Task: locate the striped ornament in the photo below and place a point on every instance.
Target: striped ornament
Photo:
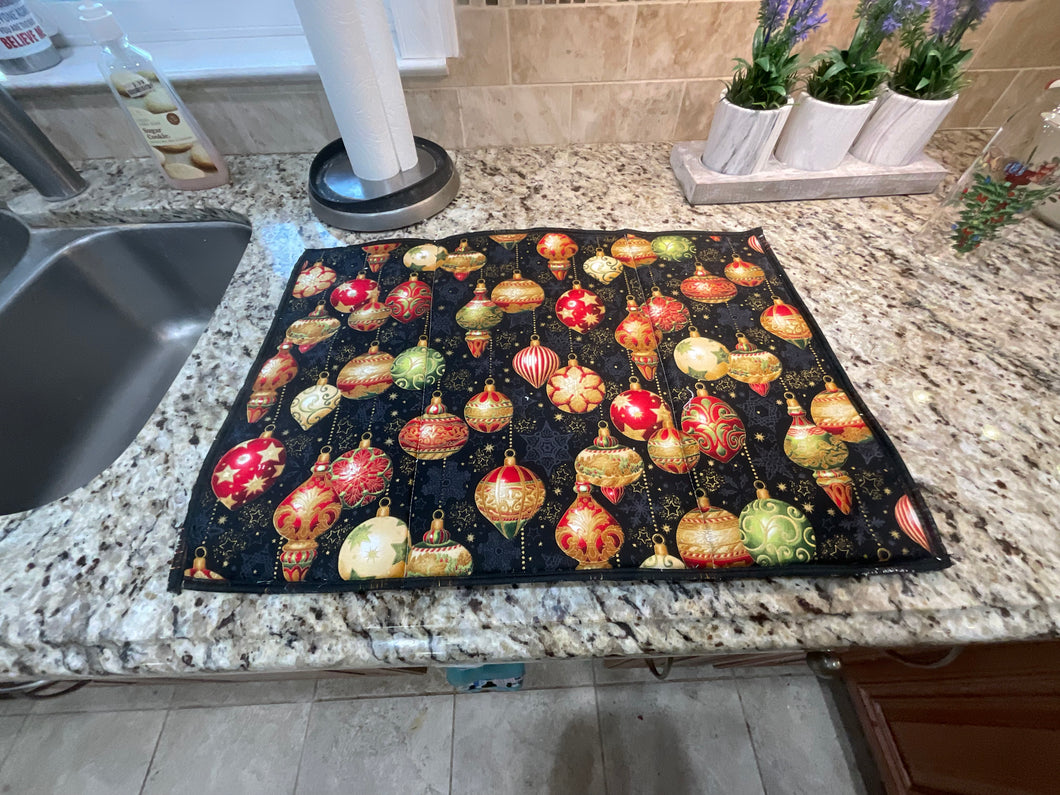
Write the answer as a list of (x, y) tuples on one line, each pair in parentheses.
[(536, 363), (908, 520)]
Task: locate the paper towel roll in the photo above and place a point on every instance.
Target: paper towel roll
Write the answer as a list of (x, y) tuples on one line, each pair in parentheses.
[(361, 82)]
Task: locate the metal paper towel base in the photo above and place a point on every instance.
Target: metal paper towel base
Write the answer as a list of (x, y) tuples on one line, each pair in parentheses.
[(341, 198)]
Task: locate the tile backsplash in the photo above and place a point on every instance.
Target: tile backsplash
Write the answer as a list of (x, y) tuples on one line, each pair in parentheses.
[(566, 72)]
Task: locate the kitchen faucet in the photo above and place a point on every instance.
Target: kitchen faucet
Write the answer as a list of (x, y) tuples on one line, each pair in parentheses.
[(28, 150)]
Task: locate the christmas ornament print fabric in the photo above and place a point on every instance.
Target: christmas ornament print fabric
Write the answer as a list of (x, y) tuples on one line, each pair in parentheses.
[(546, 404)]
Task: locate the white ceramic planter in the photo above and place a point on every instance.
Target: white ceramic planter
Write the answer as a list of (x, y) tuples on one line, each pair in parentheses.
[(818, 134), (741, 140), (899, 128)]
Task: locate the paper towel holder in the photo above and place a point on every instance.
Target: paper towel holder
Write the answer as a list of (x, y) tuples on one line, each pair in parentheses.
[(340, 198)]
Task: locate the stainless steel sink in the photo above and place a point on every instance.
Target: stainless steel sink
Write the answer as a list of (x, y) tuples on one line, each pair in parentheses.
[(95, 323)]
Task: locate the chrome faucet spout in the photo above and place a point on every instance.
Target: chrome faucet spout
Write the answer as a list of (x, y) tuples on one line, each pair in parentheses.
[(28, 150)]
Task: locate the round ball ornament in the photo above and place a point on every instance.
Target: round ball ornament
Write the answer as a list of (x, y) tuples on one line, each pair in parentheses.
[(786, 322), (775, 532), (909, 521), (633, 251), (376, 548), (666, 314), (536, 363), (574, 388), (378, 254), (558, 249), (509, 239), (366, 375), (434, 434), (743, 273), (313, 280), (587, 532), (832, 410), (752, 366), (714, 424), (463, 261), (438, 555), (354, 294), (302, 516), (275, 373), (418, 367), (362, 475), (673, 248), (701, 357), (708, 537), (661, 559), (509, 496), (368, 317), (609, 464), (637, 334), (409, 300), (578, 309), (638, 413), (518, 294), (424, 258), (602, 267), (489, 411), (314, 403), (199, 570), (706, 288), (673, 450), (312, 329), (248, 470)]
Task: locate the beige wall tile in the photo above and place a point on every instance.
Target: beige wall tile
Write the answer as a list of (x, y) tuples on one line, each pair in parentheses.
[(978, 98), (484, 56), (1026, 87), (84, 124), (435, 114), (604, 112), (1026, 34), (697, 109), (504, 115), (694, 40), (570, 44)]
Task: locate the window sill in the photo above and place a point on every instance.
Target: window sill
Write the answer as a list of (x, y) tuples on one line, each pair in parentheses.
[(205, 60)]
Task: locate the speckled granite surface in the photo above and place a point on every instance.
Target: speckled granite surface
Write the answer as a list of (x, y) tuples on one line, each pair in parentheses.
[(956, 359)]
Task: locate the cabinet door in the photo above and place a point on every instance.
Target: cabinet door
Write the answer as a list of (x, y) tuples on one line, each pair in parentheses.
[(986, 722)]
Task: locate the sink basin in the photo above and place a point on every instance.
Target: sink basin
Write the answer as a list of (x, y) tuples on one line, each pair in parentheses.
[(96, 323)]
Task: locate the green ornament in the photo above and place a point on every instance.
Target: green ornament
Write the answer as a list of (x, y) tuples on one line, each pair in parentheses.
[(775, 532), (376, 548), (425, 258), (673, 248), (480, 313), (418, 367)]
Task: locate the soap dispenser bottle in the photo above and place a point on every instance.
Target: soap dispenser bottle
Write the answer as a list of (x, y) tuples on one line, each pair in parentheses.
[(187, 158)]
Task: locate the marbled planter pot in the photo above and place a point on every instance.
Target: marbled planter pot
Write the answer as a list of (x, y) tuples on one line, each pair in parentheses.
[(899, 128), (740, 140), (818, 134)]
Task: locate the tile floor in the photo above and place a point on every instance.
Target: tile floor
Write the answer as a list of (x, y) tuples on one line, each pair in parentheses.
[(576, 727)]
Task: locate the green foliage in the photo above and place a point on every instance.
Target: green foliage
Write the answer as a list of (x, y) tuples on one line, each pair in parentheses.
[(987, 206), (766, 82), (933, 69), (845, 79)]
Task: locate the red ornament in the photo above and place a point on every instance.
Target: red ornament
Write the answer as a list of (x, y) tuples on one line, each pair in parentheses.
[(756, 244), (786, 322), (579, 309), (708, 288), (536, 363), (673, 450), (557, 248), (362, 475), (587, 532), (666, 314), (247, 471), (714, 424), (743, 273), (409, 300), (368, 317), (434, 434), (378, 254), (633, 251), (306, 513), (909, 521), (313, 279), (277, 372), (636, 333), (354, 294), (489, 411), (752, 366), (509, 496), (638, 413), (574, 388)]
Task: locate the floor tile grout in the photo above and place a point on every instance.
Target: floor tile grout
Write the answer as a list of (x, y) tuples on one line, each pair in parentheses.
[(751, 739), (154, 751), (18, 732), (301, 754), (600, 731), (452, 745)]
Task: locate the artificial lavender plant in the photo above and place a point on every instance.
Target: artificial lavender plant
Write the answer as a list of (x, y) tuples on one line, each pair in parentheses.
[(851, 76), (765, 82), (933, 68)]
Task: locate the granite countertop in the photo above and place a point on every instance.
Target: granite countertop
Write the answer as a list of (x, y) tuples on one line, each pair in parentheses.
[(955, 358)]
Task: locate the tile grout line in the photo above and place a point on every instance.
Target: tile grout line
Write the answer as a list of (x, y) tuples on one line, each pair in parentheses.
[(599, 728), (154, 752), (305, 736), (18, 731), (452, 745), (750, 738)]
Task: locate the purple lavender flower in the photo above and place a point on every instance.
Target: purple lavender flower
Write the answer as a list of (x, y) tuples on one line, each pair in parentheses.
[(943, 16), (805, 16), (900, 12), (771, 16), (953, 17)]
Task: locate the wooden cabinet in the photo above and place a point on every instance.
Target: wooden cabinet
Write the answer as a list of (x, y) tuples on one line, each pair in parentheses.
[(983, 719)]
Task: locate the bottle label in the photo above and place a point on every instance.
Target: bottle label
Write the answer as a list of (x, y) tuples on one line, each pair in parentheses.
[(163, 129), (20, 34)]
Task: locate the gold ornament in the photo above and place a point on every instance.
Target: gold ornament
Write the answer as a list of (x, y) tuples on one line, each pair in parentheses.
[(673, 450), (662, 559), (489, 411), (786, 322), (305, 514), (463, 260), (701, 357), (314, 328), (313, 404), (509, 496), (198, 570), (574, 388), (633, 251), (609, 464), (587, 532), (438, 555), (709, 537), (376, 548), (517, 294), (743, 273), (752, 366), (366, 375), (833, 411), (434, 434), (602, 267)]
